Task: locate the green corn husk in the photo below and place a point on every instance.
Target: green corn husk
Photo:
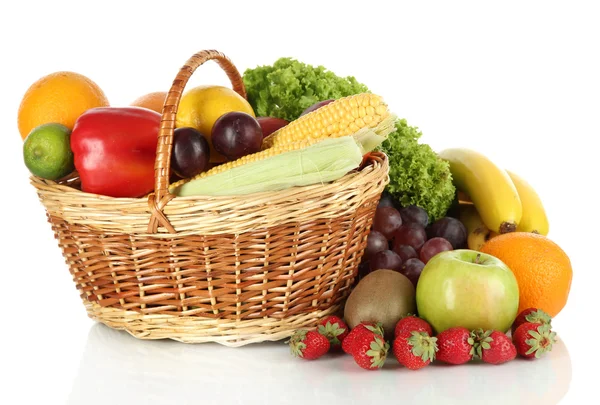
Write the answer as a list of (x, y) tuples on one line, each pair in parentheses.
[(322, 162)]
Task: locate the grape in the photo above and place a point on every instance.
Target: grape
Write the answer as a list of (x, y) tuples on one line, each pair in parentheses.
[(270, 124), (386, 200), (413, 235), (432, 247), (412, 269), (385, 260), (450, 229), (376, 242), (316, 106), (190, 153), (415, 215), (236, 134), (387, 220), (405, 252)]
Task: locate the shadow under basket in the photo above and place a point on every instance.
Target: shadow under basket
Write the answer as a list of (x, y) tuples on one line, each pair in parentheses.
[(233, 270)]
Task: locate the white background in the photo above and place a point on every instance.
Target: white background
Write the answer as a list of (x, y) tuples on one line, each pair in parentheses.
[(518, 81)]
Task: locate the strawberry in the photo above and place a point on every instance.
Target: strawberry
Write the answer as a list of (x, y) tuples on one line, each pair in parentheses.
[(412, 323), (415, 350), (494, 347), (348, 342), (533, 340), (532, 315), (370, 350), (308, 345), (455, 346), (334, 329)]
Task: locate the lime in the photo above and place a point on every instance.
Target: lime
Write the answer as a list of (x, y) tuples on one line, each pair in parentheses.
[(47, 151)]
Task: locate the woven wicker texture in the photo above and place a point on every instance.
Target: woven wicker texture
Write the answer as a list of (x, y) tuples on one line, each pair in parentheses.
[(193, 329), (232, 270)]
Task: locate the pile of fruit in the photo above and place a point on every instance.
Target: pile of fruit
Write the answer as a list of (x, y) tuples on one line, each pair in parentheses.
[(220, 146), (458, 241), (482, 282)]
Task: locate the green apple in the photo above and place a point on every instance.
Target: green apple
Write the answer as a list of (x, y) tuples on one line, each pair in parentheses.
[(469, 289)]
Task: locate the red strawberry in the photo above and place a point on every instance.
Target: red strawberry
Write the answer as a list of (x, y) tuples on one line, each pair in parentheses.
[(308, 345), (370, 350), (533, 340), (411, 323), (348, 342), (334, 329), (455, 346), (532, 315), (494, 347), (415, 350)]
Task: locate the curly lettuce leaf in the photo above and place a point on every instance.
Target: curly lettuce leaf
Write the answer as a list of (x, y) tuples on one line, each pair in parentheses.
[(288, 87), (417, 175)]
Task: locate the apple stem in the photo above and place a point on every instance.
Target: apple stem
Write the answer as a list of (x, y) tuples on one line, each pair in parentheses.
[(477, 258)]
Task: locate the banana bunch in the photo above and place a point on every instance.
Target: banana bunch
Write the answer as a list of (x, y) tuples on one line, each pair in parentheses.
[(492, 200)]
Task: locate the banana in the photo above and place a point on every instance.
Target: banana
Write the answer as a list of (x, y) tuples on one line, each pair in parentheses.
[(477, 232), (489, 187), (468, 215), (534, 217)]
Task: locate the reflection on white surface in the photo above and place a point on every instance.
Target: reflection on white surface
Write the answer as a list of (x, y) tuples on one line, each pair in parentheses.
[(117, 368)]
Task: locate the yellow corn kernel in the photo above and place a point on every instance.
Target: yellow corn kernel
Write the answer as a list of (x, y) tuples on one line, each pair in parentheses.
[(338, 118)]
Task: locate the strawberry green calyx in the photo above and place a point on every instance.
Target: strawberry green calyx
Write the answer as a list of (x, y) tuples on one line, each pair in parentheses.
[(331, 332), (297, 344), (480, 340), (377, 328), (541, 340), (378, 352), (423, 345), (539, 316), (471, 342)]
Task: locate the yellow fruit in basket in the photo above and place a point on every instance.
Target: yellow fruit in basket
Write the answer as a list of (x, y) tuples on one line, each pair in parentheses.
[(59, 98), (201, 106), (152, 101)]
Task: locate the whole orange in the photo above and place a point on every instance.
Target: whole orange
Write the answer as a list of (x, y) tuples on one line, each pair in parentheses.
[(59, 98), (153, 101), (542, 269)]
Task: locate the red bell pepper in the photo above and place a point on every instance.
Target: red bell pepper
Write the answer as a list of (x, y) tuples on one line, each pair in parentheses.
[(115, 149)]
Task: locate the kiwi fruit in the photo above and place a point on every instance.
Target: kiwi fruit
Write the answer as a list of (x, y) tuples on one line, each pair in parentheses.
[(382, 296)]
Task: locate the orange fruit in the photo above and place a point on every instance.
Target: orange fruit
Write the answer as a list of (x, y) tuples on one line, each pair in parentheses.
[(542, 269), (152, 101), (58, 98)]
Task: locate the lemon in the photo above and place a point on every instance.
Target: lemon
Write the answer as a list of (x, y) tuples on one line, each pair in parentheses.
[(47, 151), (201, 106)]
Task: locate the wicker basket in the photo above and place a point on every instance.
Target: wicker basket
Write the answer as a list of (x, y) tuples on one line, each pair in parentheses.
[(232, 270)]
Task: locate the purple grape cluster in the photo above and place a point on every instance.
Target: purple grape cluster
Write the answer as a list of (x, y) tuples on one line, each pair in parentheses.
[(402, 239)]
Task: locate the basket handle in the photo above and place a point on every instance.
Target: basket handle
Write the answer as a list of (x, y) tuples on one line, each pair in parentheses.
[(161, 196)]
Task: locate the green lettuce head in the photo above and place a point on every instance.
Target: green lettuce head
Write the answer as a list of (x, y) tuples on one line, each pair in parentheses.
[(417, 175), (288, 87)]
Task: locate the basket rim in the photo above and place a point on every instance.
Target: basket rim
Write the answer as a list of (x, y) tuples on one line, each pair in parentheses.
[(210, 215), (375, 158)]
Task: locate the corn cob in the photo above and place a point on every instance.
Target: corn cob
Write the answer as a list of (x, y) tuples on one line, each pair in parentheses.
[(308, 161), (342, 117), (254, 157)]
